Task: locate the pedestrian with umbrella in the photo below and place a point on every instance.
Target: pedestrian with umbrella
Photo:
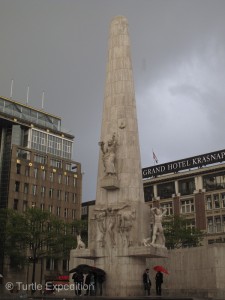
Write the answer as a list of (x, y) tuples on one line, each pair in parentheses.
[(159, 278)]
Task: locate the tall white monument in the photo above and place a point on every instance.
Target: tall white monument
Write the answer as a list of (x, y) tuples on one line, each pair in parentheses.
[(120, 220)]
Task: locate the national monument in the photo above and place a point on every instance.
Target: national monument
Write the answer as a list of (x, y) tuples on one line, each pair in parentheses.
[(119, 223)]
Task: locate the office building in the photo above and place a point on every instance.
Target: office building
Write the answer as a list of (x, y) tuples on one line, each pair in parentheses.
[(36, 166)]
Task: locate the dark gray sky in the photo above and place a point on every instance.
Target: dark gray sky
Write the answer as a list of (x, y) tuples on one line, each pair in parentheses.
[(178, 54)]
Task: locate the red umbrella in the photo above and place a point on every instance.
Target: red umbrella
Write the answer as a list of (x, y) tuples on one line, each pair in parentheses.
[(161, 269)]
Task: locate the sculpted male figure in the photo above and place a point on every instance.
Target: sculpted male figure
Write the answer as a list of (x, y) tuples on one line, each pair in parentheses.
[(158, 235)]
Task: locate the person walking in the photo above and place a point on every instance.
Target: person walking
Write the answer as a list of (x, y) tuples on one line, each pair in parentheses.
[(158, 282), (147, 282)]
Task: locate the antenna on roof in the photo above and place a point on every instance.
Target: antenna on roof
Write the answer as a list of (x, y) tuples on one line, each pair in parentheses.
[(11, 89), (28, 90), (43, 99)]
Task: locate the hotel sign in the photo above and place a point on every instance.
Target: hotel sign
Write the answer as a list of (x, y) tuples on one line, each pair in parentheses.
[(183, 164)]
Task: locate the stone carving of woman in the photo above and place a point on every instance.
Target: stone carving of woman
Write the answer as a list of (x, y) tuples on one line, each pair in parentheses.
[(109, 155)]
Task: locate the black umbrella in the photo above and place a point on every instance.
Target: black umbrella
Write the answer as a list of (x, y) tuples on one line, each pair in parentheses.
[(86, 269)]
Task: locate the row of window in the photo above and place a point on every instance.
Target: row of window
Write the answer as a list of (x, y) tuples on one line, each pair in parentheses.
[(57, 210), (216, 224), (43, 174), (48, 143), (186, 206), (215, 201), (185, 186), (42, 191)]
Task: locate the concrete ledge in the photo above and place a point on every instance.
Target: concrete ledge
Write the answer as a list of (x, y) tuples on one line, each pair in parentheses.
[(148, 251), (110, 183)]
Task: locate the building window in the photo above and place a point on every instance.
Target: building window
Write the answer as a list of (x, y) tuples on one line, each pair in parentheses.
[(58, 211), (74, 181), (187, 206), (66, 213), (56, 163), (59, 194), (66, 196), (68, 167), (50, 264), (15, 204), (24, 205), (18, 168), (33, 204), (214, 182), (59, 178), (216, 201), (166, 190), (67, 180), (35, 173), (187, 186), (43, 174), (50, 208), (210, 225), (50, 193), (43, 191), (51, 176), (169, 208), (218, 224), (148, 193), (223, 200), (34, 190), (26, 188), (40, 159), (17, 186), (42, 206), (208, 202), (27, 171)]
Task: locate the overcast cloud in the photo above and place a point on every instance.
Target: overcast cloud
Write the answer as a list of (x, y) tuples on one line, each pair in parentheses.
[(178, 55)]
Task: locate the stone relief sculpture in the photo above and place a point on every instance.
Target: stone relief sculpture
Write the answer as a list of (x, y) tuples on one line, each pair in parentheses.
[(109, 155), (125, 224), (101, 221), (109, 214), (80, 243), (158, 238)]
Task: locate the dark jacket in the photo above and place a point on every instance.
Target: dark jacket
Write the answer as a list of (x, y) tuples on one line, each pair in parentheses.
[(159, 277)]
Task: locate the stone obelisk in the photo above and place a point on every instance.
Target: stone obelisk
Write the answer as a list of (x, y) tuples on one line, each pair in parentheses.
[(119, 221)]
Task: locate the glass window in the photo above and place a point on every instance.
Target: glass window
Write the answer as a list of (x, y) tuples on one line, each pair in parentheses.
[(218, 226), (40, 159), (24, 205), (59, 178), (187, 206), (216, 201), (43, 174), (66, 213), (43, 191), (34, 190), (58, 211), (17, 186), (59, 194), (18, 168), (148, 193), (35, 173), (223, 199), (27, 171), (187, 186), (50, 193), (74, 198), (66, 196), (50, 208), (166, 190), (26, 188), (56, 163), (210, 225), (51, 176), (214, 182), (15, 204), (208, 202), (42, 206), (169, 208)]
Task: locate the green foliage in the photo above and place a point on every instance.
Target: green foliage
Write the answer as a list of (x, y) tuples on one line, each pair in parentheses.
[(37, 234), (178, 234)]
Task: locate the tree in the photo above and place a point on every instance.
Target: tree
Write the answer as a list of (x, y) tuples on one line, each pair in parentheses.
[(178, 234), (35, 235)]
